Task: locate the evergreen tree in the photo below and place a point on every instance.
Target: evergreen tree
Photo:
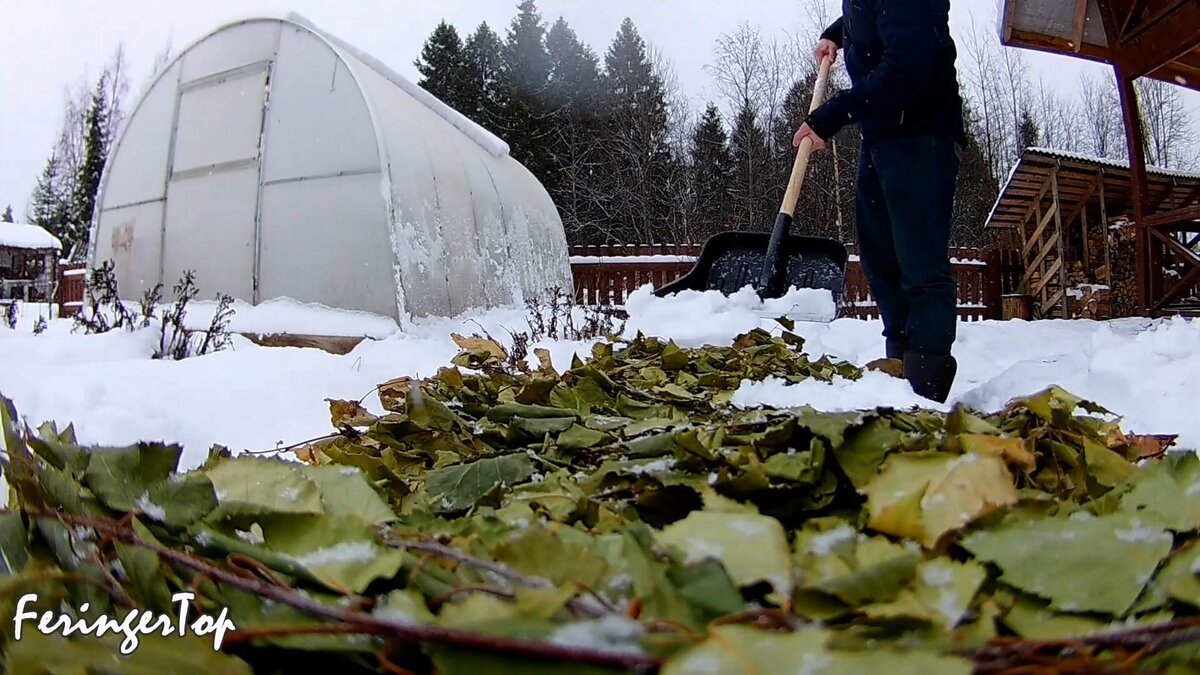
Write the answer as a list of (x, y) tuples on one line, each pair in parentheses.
[(87, 183), (442, 67), (50, 207), (752, 173), (8, 215), (483, 78), (526, 123), (639, 163), (572, 93), (976, 190), (712, 172), (1028, 135), (574, 72)]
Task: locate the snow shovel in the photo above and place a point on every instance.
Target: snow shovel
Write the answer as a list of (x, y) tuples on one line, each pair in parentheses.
[(772, 263)]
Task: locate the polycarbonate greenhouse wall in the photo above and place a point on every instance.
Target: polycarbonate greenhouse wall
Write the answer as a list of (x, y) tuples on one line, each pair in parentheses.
[(277, 161)]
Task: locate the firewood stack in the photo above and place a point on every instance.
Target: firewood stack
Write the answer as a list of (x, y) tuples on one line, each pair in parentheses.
[(1090, 301), (1122, 241)]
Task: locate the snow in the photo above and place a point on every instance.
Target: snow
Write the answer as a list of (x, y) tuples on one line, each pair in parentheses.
[(258, 398), (285, 315), (824, 543), (622, 259), (1115, 163), (149, 508), (612, 633), (20, 235), (345, 552)]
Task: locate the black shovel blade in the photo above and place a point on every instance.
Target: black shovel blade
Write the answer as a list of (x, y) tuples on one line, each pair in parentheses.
[(730, 261)]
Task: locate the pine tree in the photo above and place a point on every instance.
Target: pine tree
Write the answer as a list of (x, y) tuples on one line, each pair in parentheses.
[(442, 67), (1028, 135), (8, 215), (639, 161), (574, 72), (752, 173), (572, 94), (483, 78), (87, 183), (712, 172), (976, 190), (526, 121), (50, 207)]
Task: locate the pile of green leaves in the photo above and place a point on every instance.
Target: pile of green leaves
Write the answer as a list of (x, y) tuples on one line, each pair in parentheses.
[(622, 516)]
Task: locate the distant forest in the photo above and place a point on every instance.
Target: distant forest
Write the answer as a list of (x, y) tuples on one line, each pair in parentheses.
[(628, 158)]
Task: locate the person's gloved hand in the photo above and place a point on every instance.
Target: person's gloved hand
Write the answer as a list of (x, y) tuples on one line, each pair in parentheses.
[(826, 48)]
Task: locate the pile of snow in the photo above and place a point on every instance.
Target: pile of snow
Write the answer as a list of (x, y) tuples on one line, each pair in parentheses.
[(257, 398), (20, 235), (285, 315)]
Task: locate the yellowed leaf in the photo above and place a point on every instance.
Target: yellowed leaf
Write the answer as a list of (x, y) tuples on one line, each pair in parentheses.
[(393, 393), (477, 345), (1012, 450), (349, 413), (973, 486), (545, 365)]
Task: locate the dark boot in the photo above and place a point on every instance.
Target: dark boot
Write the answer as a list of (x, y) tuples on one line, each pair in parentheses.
[(895, 348), (931, 375)]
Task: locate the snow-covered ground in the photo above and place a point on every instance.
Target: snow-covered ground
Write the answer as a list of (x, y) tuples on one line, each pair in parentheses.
[(254, 398)]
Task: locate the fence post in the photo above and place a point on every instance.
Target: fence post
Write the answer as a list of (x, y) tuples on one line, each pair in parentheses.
[(993, 284)]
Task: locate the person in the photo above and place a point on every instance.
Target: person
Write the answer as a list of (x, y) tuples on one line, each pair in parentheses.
[(904, 97)]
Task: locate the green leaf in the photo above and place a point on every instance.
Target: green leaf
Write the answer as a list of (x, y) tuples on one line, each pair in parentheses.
[(741, 650), (253, 486), (864, 450), (1179, 579), (708, 587), (543, 552), (1105, 466), (752, 547), (465, 662), (145, 573), (1079, 564), (38, 654), (1167, 492), (581, 438), (457, 488), (1031, 618), (14, 544), (507, 412), (119, 477), (341, 552), (346, 492)]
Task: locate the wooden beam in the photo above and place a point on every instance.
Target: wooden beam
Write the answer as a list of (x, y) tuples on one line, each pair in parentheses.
[(1081, 7), (1058, 295), (1087, 243), (1048, 276), (1036, 237), (1158, 42), (1062, 242), (1183, 284), (1055, 45), (1041, 256), (1010, 11), (1166, 193), (1183, 215)]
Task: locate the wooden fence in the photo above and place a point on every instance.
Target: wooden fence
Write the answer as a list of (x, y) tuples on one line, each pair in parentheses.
[(72, 282), (606, 275)]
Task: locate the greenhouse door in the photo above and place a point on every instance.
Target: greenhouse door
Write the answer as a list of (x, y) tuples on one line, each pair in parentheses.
[(213, 188)]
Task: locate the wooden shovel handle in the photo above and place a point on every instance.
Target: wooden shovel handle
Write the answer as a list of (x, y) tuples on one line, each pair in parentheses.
[(800, 167)]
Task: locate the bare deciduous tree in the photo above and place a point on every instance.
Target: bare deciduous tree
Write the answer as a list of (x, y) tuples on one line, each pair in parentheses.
[(1168, 127)]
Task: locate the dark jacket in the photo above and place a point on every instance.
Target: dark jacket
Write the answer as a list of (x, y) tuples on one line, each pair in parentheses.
[(900, 58)]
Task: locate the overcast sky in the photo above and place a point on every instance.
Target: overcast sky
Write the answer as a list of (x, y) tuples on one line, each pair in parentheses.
[(49, 44)]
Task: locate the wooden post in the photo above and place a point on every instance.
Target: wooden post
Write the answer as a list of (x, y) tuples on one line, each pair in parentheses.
[(1148, 277), (1104, 226), (1062, 244)]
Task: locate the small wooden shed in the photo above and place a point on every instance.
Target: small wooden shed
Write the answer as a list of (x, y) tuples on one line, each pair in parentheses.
[(28, 263), (1157, 39), (1069, 212)]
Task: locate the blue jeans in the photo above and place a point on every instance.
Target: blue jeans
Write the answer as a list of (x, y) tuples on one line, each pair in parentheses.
[(905, 212)]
